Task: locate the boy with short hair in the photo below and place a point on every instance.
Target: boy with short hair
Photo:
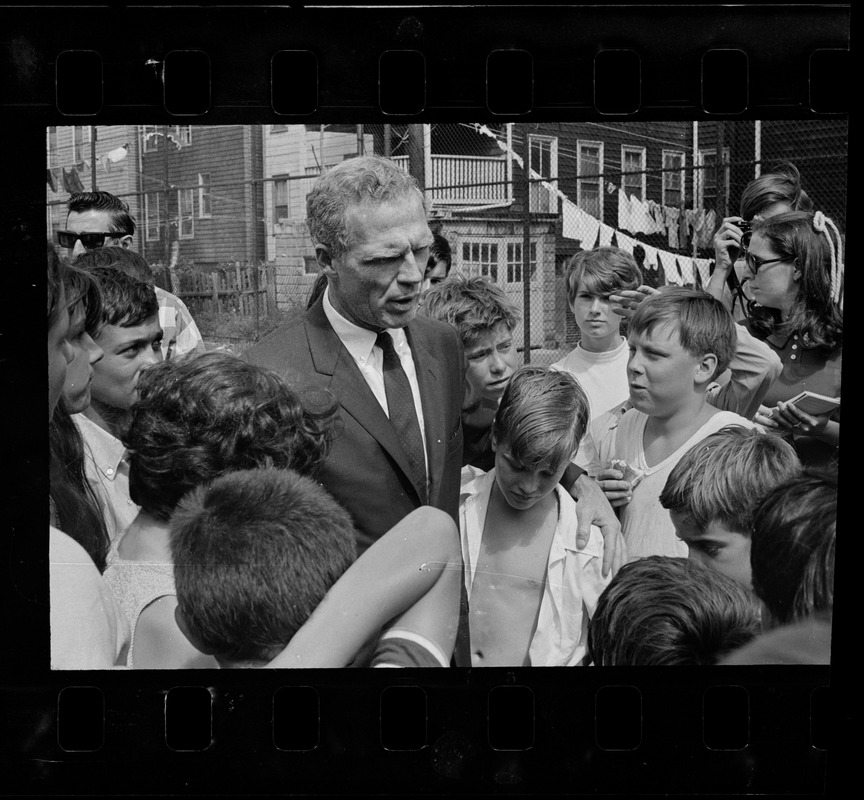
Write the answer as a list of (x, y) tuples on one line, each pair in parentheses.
[(531, 591), (180, 334), (599, 360), (662, 611), (259, 555), (716, 487), (680, 340), (130, 337), (485, 318)]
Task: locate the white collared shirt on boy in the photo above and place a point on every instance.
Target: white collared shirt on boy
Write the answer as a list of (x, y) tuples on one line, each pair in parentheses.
[(107, 472), (574, 579)]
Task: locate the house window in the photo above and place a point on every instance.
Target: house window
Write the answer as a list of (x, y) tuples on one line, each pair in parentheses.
[(51, 143), (633, 171), (152, 217), (278, 128), (280, 199), (543, 159), (79, 141), (589, 186), (673, 178), (186, 213), (151, 138), (183, 134), (480, 258), (712, 183), (514, 261), (204, 207)]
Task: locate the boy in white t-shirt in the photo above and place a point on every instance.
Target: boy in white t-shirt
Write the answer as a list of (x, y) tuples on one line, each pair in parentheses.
[(599, 360), (679, 341)]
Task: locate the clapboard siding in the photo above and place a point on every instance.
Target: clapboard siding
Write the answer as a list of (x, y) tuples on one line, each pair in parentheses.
[(298, 152), (228, 154)]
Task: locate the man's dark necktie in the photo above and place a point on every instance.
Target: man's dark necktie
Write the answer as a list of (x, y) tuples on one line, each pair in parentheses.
[(403, 415)]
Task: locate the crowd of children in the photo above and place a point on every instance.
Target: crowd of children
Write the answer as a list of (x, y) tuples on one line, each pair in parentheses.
[(188, 529)]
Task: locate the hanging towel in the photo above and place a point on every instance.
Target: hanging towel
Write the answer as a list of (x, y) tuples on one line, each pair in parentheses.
[(49, 176), (71, 181)]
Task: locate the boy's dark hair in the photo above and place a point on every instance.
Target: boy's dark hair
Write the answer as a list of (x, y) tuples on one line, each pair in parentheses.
[(254, 553), (603, 270), (792, 551), (126, 302), (660, 611), (542, 416), (197, 418), (122, 258), (440, 251), (704, 324), (472, 305), (781, 185), (121, 219), (724, 477)]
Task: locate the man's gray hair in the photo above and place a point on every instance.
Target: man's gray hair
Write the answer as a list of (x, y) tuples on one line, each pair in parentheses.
[(366, 177)]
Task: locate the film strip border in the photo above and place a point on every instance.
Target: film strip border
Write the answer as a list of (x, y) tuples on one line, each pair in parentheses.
[(416, 732), (284, 64)]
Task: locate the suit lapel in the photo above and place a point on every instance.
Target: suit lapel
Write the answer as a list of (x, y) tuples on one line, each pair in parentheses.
[(428, 371), (330, 358)]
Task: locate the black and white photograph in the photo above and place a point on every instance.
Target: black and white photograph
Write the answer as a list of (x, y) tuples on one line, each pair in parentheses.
[(401, 359)]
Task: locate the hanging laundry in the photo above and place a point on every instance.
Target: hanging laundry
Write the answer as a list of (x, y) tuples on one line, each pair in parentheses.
[(626, 242), (638, 215), (670, 266), (623, 211), (606, 235), (672, 216), (703, 271), (118, 153), (650, 256), (49, 176), (71, 181)]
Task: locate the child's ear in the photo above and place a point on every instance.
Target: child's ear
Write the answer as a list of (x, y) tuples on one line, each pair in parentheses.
[(706, 368), (193, 639), (493, 440)]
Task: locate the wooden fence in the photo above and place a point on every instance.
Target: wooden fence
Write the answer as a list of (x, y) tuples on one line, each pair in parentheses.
[(229, 289)]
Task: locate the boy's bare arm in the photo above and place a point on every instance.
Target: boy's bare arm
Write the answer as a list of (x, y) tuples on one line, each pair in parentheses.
[(401, 569)]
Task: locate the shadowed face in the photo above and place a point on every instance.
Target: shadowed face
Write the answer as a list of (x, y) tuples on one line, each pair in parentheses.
[(716, 547)]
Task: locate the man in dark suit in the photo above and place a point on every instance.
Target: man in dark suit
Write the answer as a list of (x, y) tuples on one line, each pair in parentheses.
[(367, 218)]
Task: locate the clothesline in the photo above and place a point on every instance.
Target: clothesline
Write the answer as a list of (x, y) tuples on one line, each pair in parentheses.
[(578, 224)]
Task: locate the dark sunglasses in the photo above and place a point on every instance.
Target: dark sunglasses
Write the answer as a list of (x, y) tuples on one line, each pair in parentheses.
[(754, 263), (90, 240)]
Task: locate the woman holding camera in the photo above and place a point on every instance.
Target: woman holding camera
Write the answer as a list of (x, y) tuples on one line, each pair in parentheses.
[(795, 283), (770, 194)]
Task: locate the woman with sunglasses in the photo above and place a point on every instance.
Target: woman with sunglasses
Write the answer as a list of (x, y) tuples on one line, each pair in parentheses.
[(795, 268), (770, 194)]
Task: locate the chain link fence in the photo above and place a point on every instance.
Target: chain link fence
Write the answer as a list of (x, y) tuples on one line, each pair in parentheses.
[(222, 198)]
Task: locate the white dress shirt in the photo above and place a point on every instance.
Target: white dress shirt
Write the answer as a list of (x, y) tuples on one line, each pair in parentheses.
[(360, 343)]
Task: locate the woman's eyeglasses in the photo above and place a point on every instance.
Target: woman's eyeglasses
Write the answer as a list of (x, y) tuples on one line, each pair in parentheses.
[(90, 240), (754, 263)]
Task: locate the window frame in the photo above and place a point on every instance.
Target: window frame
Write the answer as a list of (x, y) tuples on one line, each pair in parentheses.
[(600, 179), (278, 181), (642, 152), (148, 214), (669, 172), (204, 194), (536, 190), (190, 217)]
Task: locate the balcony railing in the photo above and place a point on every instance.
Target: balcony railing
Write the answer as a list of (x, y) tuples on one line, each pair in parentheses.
[(466, 180)]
